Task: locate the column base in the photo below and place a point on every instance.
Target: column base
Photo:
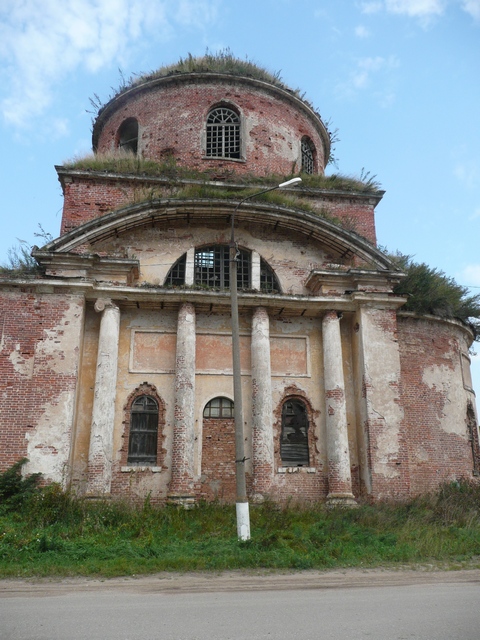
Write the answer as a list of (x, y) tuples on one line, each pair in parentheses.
[(343, 500), (185, 501)]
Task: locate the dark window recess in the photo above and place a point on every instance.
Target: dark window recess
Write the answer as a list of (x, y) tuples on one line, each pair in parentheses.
[(308, 160), (223, 134), (128, 135), (142, 445), (268, 279), (294, 438), (212, 268), (176, 275), (218, 408)]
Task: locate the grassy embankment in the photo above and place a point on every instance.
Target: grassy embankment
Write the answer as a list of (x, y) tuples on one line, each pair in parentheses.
[(45, 532)]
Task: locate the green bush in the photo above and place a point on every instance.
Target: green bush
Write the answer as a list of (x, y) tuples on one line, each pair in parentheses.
[(15, 489)]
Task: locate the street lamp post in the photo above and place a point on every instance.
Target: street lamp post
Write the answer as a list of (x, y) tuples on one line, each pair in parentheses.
[(243, 516)]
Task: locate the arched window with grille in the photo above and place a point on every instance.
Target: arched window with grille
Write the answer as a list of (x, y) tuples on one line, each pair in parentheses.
[(142, 444), (294, 436), (219, 408), (223, 133), (127, 137), (212, 267), (176, 275), (308, 156)]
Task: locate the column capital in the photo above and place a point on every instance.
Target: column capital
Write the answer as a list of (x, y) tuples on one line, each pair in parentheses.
[(104, 303)]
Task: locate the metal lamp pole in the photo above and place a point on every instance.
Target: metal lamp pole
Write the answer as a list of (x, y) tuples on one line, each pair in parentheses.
[(243, 516)]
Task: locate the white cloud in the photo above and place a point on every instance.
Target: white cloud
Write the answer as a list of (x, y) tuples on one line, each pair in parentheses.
[(424, 10), (416, 8), (362, 32), (41, 42), (468, 173), (472, 7), (373, 74)]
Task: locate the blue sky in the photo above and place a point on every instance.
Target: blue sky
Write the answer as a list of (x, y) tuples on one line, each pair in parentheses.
[(399, 79)]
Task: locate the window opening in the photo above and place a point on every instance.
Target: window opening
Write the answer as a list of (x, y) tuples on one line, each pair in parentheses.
[(218, 408), (308, 164), (212, 267), (128, 135), (294, 437), (223, 133), (268, 279), (142, 445), (176, 275)]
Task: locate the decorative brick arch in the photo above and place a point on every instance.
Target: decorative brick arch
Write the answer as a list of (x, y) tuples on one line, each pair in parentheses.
[(294, 393), (145, 389)]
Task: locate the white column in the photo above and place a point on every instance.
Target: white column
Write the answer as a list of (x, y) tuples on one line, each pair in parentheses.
[(339, 475), (255, 271), (182, 483), (103, 414), (190, 267), (263, 450)]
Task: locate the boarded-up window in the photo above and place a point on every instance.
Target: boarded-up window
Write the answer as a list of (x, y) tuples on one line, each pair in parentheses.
[(142, 445), (294, 437)]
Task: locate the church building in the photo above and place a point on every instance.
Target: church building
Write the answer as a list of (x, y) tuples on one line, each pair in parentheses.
[(116, 357)]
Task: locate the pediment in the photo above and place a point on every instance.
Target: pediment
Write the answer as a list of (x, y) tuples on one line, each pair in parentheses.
[(342, 245)]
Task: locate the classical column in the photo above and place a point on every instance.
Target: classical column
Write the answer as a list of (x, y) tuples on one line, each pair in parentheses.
[(182, 483), (100, 453), (339, 476), (263, 457)]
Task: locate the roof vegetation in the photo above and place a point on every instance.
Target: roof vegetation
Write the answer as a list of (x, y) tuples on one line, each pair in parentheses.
[(430, 291), (223, 61), (128, 163)]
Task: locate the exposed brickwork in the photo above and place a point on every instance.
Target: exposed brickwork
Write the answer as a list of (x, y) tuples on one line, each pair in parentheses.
[(218, 460), (38, 368), (172, 116), (437, 443)]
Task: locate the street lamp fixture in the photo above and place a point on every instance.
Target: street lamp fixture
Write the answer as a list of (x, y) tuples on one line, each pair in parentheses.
[(243, 516)]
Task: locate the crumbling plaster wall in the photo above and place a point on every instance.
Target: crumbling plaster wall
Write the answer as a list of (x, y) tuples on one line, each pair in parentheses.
[(40, 346), (291, 256), (172, 120), (435, 398)]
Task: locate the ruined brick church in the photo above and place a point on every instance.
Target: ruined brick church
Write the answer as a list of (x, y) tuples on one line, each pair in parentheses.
[(116, 359)]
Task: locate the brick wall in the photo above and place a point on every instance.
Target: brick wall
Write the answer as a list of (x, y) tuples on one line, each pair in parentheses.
[(435, 402), (38, 376)]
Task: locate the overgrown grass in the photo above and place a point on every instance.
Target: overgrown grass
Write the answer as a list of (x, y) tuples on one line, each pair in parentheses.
[(429, 290), (57, 534), (130, 164)]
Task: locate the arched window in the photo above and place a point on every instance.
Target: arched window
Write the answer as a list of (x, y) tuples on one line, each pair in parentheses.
[(218, 408), (223, 133), (128, 135), (142, 444), (268, 279), (212, 267), (212, 270), (176, 275), (294, 437), (308, 156)]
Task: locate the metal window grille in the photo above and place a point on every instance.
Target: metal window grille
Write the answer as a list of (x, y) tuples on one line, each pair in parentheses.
[(176, 275), (294, 438), (142, 445), (223, 134), (128, 135), (308, 165), (212, 268), (218, 408), (268, 279)]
